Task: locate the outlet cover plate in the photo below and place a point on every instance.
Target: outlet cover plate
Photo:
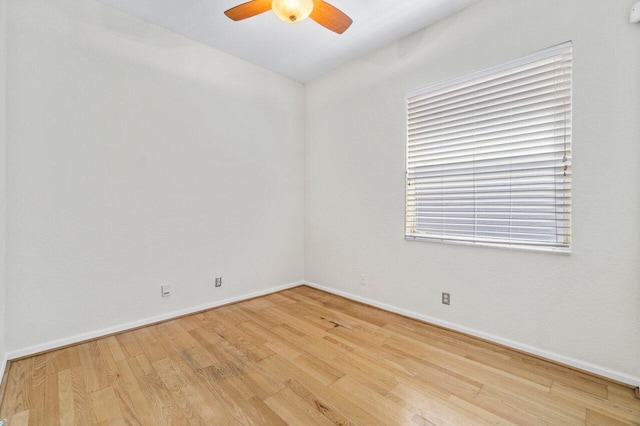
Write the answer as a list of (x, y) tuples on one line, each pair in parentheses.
[(166, 290)]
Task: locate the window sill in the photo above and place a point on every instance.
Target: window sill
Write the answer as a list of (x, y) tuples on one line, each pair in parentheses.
[(531, 248)]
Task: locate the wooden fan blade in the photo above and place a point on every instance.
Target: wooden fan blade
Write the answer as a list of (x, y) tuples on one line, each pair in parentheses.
[(248, 9), (330, 17)]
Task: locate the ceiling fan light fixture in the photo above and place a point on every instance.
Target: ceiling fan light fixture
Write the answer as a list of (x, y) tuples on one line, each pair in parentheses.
[(292, 11)]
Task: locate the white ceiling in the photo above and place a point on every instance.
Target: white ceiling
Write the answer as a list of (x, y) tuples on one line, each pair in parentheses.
[(302, 51)]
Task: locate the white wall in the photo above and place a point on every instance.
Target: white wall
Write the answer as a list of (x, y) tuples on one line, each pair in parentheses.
[(3, 134), (137, 158), (583, 308)]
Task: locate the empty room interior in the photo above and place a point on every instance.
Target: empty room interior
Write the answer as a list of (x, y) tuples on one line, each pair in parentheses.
[(302, 212)]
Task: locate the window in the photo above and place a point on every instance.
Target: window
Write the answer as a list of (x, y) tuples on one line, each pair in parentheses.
[(489, 156)]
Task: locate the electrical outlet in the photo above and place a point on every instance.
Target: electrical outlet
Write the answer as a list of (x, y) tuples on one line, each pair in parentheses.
[(218, 281), (446, 298), (363, 279), (166, 291)]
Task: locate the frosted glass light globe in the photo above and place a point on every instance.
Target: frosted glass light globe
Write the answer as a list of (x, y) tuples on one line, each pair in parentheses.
[(292, 11)]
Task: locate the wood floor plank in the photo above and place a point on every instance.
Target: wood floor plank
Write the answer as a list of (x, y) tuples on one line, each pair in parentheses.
[(323, 371), (80, 387), (622, 397), (151, 346), (57, 361), (253, 349), (430, 406), (114, 347), (66, 403), (235, 399), (173, 333), (51, 405), (421, 421), (286, 370), (129, 344), (125, 403), (305, 343), (108, 363), (595, 418), (20, 419), (303, 357), (267, 415), (445, 383), (623, 413), (274, 342), (260, 316), (105, 409), (294, 410), (129, 384), (534, 409), (321, 405), (209, 406), (360, 369), (168, 403), (17, 394), (182, 393), (368, 399), (243, 372), (93, 367), (467, 367), (38, 387)]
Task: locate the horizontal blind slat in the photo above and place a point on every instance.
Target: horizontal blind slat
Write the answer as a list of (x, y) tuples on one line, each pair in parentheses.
[(540, 68), (553, 86), (556, 115)]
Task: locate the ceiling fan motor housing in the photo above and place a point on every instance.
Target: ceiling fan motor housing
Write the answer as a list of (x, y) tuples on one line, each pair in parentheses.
[(292, 10)]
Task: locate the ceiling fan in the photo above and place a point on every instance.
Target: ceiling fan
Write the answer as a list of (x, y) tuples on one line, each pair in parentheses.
[(294, 11)]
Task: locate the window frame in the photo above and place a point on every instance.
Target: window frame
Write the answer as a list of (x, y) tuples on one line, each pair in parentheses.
[(537, 246)]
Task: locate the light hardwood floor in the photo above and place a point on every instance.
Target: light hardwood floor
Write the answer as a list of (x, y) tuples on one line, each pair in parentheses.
[(303, 357)]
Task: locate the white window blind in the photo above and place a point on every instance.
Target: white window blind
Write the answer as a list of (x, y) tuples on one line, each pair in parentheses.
[(489, 156)]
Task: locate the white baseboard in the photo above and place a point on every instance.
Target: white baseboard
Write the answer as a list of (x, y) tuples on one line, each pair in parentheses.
[(31, 350), (582, 365), (3, 366), (569, 361)]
